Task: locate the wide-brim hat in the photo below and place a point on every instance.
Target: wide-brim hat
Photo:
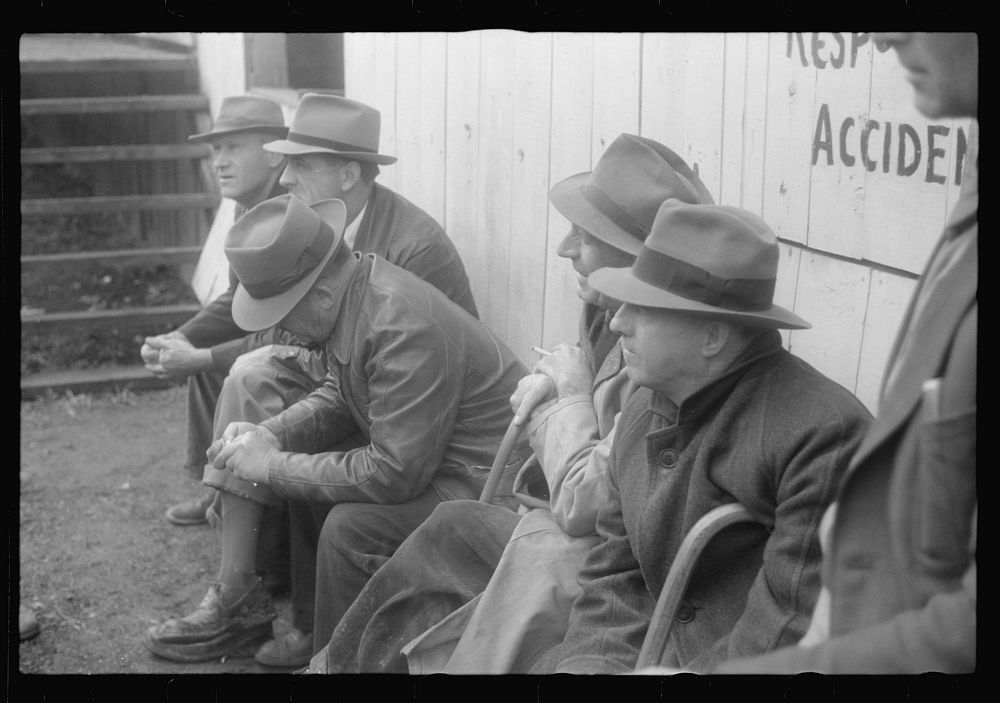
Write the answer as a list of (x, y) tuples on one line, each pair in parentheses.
[(245, 113), (330, 124), (277, 250), (618, 200), (713, 260)]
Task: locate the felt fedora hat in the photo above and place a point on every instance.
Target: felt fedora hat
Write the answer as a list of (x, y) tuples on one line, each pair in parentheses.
[(330, 124), (245, 113), (618, 200), (715, 260), (277, 250)]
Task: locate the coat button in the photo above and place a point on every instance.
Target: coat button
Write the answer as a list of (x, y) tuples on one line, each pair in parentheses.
[(685, 613), (667, 458)]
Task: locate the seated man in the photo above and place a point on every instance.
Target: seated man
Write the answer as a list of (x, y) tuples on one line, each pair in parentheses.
[(204, 347), (453, 555), (417, 389), (724, 414), (899, 576)]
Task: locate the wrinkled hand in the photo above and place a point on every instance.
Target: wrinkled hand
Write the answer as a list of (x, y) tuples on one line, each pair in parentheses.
[(532, 390), (568, 369), (246, 450), (168, 355)]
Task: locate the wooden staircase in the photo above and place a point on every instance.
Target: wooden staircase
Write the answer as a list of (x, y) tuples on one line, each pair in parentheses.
[(116, 111)]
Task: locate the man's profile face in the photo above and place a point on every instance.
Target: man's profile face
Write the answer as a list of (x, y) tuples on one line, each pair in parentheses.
[(662, 348), (587, 253), (313, 177), (943, 68), (241, 165)]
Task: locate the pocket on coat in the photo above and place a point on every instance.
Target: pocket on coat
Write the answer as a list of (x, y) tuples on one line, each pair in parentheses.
[(947, 491)]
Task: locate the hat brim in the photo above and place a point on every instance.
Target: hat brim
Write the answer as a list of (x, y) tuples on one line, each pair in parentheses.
[(569, 201), (254, 314), (291, 148), (265, 129), (622, 285)]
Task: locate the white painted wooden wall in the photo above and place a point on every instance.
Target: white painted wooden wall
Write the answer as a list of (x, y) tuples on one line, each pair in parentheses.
[(484, 122)]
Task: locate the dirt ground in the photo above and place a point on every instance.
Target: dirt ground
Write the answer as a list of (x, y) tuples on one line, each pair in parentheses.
[(98, 561)]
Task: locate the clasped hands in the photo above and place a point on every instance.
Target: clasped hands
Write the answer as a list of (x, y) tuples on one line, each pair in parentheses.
[(172, 355), (561, 373), (245, 449)]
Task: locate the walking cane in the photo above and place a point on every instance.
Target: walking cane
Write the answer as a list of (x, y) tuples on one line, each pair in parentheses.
[(500, 462)]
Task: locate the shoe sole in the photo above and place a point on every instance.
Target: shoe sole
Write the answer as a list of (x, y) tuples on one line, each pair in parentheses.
[(232, 644), (282, 663), (184, 522)]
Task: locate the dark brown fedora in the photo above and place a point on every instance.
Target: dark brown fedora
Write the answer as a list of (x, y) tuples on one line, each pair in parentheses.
[(618, 200), (708, 259)]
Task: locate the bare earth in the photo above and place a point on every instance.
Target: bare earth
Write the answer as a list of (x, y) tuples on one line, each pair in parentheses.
[(98, 561)]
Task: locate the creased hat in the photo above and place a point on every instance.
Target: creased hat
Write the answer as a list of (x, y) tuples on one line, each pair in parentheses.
[(245, 113), (277, 250), (618, 200), (716, 260), (330, 124)]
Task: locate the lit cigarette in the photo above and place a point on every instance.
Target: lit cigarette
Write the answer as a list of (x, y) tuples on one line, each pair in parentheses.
[(539, 350)]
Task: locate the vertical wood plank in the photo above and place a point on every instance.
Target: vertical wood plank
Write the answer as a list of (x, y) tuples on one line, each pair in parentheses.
[(616, 89), (682, 99), (382, 97), (359, 66), (493, 186), (420, 117), (529, 192), (786, 285), (791, 90), (887, 301), (831, 294), (837, 178), (462, 152), (571, 129)]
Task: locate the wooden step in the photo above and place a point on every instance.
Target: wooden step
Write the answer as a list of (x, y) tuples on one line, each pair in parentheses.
[(117, 152), (122, 103), (118, 203), (167, 63), (91, 319), (85, 53), (92, 380), (114, 258)]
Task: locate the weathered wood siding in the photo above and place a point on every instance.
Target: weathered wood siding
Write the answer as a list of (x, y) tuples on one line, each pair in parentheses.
[(816, 133)]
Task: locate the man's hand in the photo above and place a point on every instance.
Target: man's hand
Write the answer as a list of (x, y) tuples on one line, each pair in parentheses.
[(173, 355), (245, 452), (532, 390), (568, 369), (559, 374)]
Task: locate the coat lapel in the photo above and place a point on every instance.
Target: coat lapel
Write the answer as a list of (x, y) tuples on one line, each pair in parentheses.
[(934, 329)]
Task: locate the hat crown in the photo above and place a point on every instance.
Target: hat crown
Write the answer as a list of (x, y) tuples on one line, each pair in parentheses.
[(638, 174), (339, 120), (268, 242)]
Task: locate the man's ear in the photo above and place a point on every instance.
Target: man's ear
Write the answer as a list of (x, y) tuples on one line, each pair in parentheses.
[(324, 296), (350, 175), (717, 334), (275, 160)]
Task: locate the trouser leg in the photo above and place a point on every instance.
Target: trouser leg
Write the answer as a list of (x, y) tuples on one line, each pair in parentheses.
[(204, 388), (441, 566)]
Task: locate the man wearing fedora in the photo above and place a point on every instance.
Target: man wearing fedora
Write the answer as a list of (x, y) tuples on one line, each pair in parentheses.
[(204, 347), (332, 151), (899, 571), (411, 413), (723, 414), (527, 563)]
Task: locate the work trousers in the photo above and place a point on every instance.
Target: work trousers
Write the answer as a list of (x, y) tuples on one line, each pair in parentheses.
[(437, 569)]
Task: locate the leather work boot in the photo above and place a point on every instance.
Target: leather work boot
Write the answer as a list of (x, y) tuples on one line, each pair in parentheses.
[(215, 629), (292, 649), (191, 512)]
